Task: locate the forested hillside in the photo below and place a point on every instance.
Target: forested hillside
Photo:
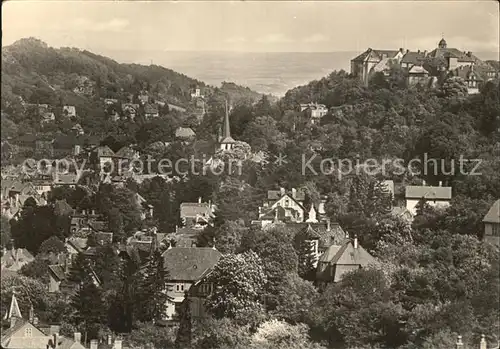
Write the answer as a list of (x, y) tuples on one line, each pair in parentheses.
[(34, 73)]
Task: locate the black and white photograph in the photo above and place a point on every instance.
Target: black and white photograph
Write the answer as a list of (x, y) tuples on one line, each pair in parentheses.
[(250, 174)]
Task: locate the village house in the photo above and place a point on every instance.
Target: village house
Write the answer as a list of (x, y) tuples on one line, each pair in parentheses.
[(15, 194), (187, 269), (29, 334), (151, 111), (338, 260), (176, 108), (14, 259), (320, 236), (197, 93), (77, 130), (283, 206), (47, 117), (185, 133), (69, 111), (434, 196), (314, 111), (197, 215), (492, 224), (130, 110)]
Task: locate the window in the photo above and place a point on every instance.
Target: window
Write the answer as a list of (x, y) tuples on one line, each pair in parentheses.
[(287, 203), (206, 288), (179, 287), (495, 230), (28, 332)]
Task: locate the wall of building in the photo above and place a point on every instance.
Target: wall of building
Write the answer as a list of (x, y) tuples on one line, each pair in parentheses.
[(411, 204), (340, 270)]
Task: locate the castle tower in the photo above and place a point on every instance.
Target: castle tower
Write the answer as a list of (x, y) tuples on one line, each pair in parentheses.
[(226, 143)]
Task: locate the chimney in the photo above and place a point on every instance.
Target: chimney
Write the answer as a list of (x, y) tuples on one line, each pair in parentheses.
[(110, 340), (425, 52), (77, 336), (355, 241), (118, 344), (440, 183), (282, 191), (199, 200), (35, 321), (460, 344), (84, 212), (407, 51), (93, 212), (93, 344), (482, 344), (423, 183), (294, 193), (328, 226), (56, 339), (418, 51), (401, 50), (32, 314)]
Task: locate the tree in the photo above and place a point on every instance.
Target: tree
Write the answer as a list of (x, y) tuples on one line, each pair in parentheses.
[(183, 338), (151, 293), (28, 292), (5, 237), (146, 334), (279, 334), (52, 245), (359, 310), (239, 281), (115, 224), (37, 269), (295, 299), (90, 310)]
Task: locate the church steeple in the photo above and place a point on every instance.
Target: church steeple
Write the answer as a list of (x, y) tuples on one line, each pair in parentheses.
[(227, 141), (227, 130)]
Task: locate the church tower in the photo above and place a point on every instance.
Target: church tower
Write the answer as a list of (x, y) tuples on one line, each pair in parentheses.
[(226, 142), (14, 313)]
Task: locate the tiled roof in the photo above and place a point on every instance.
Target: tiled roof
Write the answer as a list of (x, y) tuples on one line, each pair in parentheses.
[(58, 272), (335, 235), (125, 152), (104, 151), (427, 192), (192, 209), (78, 244), (375, 55), (16, 258), (415, 58), (275, 195), (105, 237), (190, 263), (453, 52), (150, 108), (493, 215), (184, 132), (68, 178)]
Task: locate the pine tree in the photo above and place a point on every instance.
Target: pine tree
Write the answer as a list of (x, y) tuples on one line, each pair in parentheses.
[(307, 260), (183, 338), (90, 310), (152, 295)]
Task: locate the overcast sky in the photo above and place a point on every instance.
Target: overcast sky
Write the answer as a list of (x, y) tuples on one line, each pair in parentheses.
[(254, 26)]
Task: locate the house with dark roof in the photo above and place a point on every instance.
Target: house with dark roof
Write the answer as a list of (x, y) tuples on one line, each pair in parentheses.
[(187, 269), (433, 196), (364, 65), (475, 76), (492, 224), (130, 110), (338, 260)]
